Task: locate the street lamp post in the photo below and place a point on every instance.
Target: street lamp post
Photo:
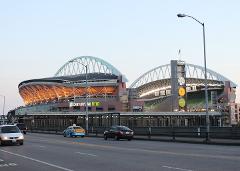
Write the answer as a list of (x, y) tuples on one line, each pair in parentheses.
[(86, 99), (3, 109), (205, 75)]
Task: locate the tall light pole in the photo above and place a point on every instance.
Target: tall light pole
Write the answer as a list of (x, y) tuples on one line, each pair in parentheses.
[(3, 108), (86, 98), (205, 75)]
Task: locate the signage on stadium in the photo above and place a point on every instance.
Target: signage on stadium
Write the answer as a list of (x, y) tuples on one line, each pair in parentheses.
[(72, 104), (182, 102), (179, 62)]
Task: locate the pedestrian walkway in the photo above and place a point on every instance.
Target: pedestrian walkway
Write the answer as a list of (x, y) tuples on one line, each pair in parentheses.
[(197, 140)]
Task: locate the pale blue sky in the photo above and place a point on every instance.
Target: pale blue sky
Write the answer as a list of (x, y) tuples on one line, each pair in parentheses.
[(38, 37)]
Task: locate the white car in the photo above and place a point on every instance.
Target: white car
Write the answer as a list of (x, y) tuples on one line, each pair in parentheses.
[(10, 134)]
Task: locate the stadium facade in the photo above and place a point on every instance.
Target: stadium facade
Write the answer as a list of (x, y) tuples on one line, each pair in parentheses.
[(91, 83), (104, 88)]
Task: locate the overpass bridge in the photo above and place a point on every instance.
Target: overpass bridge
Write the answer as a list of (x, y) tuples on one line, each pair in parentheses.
[(60, 120)]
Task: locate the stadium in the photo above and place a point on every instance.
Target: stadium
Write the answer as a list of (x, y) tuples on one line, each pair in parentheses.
[(82, 77), (91, 85), (105, 88), (159, 87)]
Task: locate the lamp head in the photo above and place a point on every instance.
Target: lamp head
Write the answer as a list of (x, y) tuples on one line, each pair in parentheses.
[(181, 15)]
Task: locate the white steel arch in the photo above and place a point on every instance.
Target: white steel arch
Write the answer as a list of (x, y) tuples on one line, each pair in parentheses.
[(95, 65), (164, 72), (158, 73)]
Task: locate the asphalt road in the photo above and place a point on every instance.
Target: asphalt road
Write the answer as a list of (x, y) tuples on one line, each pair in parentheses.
[(43, 152)]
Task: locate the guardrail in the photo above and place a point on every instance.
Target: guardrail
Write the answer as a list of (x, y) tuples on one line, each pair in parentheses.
[(182, 135), (154, 132)]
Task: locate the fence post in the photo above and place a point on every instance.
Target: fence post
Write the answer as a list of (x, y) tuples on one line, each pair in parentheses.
[(149, 132), (207, 137), (198, 131), (173, 134)]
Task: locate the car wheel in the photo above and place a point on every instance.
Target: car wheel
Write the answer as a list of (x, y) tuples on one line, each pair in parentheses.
[(116, 137), (21, 143), (105, 137)]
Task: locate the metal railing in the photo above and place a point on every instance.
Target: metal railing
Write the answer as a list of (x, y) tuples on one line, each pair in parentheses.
[(218, 135)]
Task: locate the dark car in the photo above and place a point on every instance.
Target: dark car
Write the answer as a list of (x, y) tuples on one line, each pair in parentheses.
[(22, 127), (119, 132)]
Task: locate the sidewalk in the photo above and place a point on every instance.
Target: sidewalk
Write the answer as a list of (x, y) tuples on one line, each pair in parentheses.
[(195, 140), (191, 140)]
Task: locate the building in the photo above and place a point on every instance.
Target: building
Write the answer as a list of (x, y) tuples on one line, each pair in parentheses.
[(237, 113), (104, 88), (91, 85)]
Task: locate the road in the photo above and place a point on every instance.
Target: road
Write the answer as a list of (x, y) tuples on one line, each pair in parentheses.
[(55, 152)]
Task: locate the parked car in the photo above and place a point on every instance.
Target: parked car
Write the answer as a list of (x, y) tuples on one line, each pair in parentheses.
[(10, 134), (119, 132), (22, 127), (74, 131)]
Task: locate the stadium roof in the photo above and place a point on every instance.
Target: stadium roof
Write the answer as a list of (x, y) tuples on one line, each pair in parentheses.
[(79, 65), (72, 78), (163, 72)]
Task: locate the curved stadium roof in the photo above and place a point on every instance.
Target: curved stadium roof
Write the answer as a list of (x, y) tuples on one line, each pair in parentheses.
[(70, 80), (94, 65), (193, 72)]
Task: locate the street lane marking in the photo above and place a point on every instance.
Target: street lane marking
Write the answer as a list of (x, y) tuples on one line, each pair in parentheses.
[(41, 146), (36, 160), (164, 152), (78, 143), (176, 168), (146, 150), (87, 154), (8, 164), (50, 141)]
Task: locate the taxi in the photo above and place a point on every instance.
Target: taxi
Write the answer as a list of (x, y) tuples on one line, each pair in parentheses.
[(74, 131)]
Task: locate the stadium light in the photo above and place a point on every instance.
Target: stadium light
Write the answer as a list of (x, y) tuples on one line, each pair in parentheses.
[(3, 108), (86, 98), (205, 75)]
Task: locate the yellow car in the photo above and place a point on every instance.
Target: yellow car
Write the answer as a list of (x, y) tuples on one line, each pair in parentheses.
[(74, 131)]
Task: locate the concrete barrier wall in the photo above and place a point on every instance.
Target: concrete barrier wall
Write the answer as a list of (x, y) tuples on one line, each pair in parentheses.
[(215, 132)]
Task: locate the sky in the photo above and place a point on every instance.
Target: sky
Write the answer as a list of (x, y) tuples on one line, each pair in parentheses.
[(38, 37)]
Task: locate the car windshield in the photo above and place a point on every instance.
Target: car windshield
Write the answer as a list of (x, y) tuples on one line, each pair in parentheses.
[(77, 127), (21, 126), (10, 129), (123, 128)]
